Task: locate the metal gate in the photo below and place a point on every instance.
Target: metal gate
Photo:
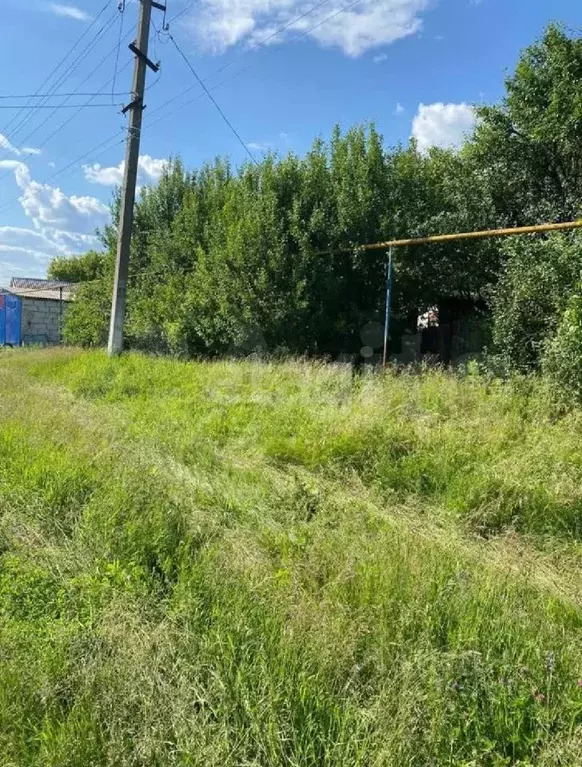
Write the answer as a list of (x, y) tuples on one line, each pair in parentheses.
[(10, 320)]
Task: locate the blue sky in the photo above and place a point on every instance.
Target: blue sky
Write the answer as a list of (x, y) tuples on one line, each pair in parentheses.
[(411, 66)]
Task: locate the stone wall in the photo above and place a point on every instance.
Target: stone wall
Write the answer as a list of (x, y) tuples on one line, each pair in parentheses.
[(41, 320)]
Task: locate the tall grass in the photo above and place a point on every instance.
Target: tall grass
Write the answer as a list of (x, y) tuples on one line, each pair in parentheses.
[(273, 564)]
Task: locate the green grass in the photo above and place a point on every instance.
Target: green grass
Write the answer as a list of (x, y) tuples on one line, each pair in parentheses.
[(271, 564)]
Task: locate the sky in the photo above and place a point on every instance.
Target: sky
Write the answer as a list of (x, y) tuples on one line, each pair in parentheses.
[(282, 71)]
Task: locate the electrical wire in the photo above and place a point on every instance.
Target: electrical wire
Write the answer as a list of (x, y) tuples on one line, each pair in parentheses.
[(212, 99), (250, 66), (62, 126), (278, 31), (70, 70), (183, 11), (105, 146), (35, 130), (62, 61), (73, 164), (58, 106), (121, 9), (59, 95)]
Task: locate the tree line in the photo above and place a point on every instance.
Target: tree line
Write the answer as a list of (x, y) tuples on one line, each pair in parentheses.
[(265, 255)]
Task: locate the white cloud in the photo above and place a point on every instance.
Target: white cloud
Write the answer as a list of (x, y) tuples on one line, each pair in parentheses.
[(70, 12), (380, 58), (149, 169), (19, 262), (219, 24), (21, 172), (7, 146), (256, 146), (151, 166), (61, 225), (49, 208), (442, 125), (29, 240), (399, 109)]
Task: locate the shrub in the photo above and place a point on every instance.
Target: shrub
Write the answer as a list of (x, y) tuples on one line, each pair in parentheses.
[(531, 295), (563, 357), (87, 319)]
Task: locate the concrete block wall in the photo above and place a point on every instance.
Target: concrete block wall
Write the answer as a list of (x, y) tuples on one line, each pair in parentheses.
[(41, 320)]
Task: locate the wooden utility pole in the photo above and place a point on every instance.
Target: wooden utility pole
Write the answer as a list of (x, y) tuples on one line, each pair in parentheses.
[(135, 108)]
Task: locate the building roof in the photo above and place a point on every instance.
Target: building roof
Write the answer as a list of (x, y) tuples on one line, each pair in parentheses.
[(51, 290)]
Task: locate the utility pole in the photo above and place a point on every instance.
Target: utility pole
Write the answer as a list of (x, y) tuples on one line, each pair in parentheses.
[(135, 108)]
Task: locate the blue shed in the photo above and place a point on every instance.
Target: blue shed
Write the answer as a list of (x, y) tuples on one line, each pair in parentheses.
[(10, 320)]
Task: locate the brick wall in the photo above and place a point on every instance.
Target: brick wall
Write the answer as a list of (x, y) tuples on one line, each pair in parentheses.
[(41, 320)]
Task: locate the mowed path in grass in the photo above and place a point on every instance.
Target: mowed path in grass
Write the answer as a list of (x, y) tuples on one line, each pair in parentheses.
[(239, 563)]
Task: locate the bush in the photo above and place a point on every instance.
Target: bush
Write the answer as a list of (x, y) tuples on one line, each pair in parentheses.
[(87, 319), (532, 294), (563, 358)]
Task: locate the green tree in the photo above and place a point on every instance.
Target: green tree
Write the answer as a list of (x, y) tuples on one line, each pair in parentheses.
[(84, 268), (528, 147), (225, 259)]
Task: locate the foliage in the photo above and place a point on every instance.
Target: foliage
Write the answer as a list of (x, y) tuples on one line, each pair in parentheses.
[(87, 318), (237, 563), (528, 151), (84, 268), (533, 291), (563, 355), (528, 146), (230, 261), (264, 257)]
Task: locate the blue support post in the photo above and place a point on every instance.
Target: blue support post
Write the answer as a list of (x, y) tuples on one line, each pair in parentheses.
[(388, 302)]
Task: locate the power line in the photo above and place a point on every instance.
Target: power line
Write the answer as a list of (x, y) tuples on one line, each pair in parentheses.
[(183, 11), (253, 47), (55, 108), (281, 29), (211, 97), (79, 110), (58, 106), (57, 95), (121, 9), (63, 125), (250, 66), (71, 67), (31, 133), (107, 143), (65, 57), (104, 145)]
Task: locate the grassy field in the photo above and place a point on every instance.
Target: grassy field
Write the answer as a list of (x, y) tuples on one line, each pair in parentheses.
[(244, 564)]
